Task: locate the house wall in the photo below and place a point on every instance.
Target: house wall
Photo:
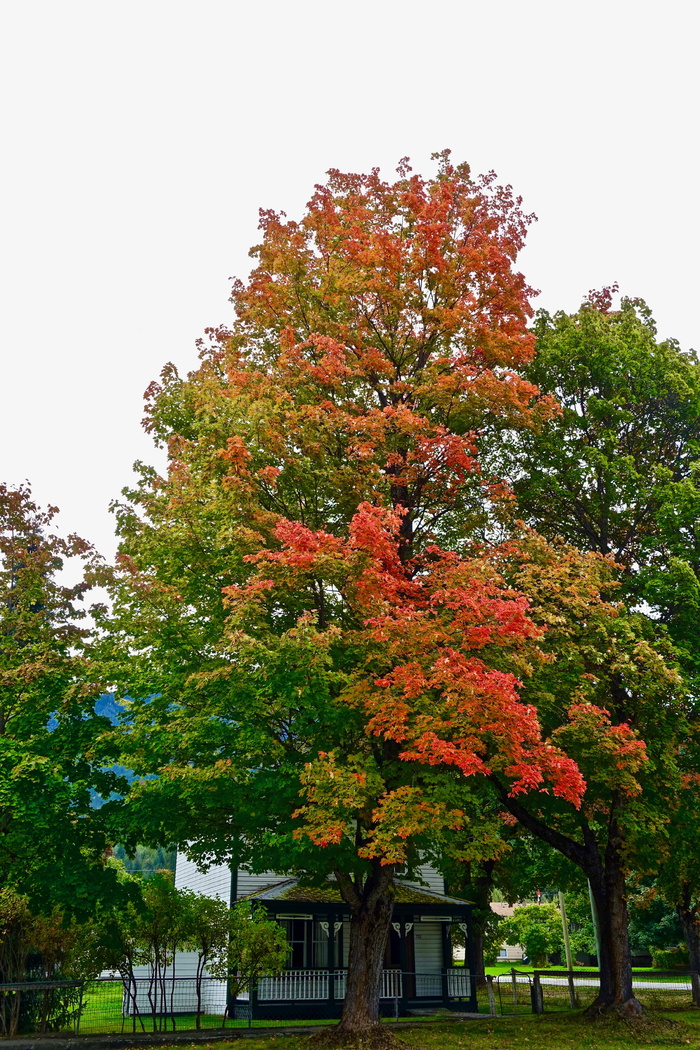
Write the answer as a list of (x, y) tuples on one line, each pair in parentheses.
[(510, 953), (507, 952), (247, 883), (429, 877), (215, 882)]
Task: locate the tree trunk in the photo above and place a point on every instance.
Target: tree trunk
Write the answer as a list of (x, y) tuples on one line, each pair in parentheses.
[(688, 914), (369, 927), (474, 954), (607, 879), (614, 959), (370, 915)]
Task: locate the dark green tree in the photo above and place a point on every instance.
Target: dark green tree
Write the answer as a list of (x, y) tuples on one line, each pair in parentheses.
[(606, 474), (53, 842)]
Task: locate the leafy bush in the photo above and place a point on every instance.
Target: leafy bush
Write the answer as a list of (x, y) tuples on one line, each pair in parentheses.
[(670, 958)]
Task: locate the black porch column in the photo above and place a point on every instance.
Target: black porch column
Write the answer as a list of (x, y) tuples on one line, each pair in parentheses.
[(446, 960), (330, 918), (470, 959), (403, 963)]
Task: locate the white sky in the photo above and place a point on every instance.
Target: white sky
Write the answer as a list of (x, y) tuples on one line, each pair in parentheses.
[(140, 138)]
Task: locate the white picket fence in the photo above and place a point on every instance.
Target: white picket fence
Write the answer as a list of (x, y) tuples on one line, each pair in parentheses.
[(302, 985), (314, 984)]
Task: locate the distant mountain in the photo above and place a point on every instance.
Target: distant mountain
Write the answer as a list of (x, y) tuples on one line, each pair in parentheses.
[(108, 706)]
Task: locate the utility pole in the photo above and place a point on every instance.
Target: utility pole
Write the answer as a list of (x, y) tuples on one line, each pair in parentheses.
[(567, 951)]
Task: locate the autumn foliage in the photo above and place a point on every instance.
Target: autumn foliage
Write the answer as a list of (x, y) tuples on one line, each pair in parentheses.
[(314, 583)]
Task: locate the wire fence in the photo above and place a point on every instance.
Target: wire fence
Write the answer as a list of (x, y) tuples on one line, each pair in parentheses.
[(549, 991), (114, 1005)]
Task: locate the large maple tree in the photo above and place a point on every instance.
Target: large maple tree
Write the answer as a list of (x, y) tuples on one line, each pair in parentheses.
[(304, 596)]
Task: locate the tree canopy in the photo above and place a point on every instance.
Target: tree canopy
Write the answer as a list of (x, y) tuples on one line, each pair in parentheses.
[(603, 474), (305, 596), (52, 842)]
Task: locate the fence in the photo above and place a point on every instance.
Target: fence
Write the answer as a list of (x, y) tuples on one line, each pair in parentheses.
[(110, 1005), (40, 1006), (546, 991)]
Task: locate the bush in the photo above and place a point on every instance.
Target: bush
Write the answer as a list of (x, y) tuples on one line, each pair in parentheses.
[(670, 958)]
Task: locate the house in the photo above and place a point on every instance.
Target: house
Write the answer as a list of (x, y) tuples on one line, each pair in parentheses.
[(418, 969), (512, 953)]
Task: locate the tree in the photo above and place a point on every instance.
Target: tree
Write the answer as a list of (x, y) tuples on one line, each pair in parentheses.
[(591, 650), (119, 945), (604, 474), (45, 948), (537, 927), (675, 878), (207, 929), (15, 947), (145, 859), (308, 576), (654, 926), (256, 947), (524, 866), (52, 842), (152, 921)]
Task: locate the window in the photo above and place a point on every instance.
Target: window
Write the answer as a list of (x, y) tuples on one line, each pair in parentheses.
[(296, 939), (308, 944)]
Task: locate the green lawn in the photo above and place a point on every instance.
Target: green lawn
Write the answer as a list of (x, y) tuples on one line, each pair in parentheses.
[(521, 967), (102, 1011), (521, 1033)]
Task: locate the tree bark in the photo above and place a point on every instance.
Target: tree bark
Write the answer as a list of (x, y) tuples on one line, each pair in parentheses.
[(478, 888), (690, 921), (604, 869), (371, 907), (614, 962)]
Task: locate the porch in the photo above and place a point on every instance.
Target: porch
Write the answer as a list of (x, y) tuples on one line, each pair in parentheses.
[(322, 993), (418, 965)]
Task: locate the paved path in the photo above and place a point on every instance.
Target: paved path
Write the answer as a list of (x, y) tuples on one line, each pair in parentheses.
[(642, 984)]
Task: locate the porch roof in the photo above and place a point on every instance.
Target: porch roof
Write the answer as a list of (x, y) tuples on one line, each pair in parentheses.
[(292, 891)]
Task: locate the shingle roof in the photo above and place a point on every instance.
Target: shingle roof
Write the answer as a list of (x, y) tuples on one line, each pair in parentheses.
[(292, 890)]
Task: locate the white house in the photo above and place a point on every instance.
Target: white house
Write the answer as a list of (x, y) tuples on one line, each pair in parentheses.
[(418, 970)]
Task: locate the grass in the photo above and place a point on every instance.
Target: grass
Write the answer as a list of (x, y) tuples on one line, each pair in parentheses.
[(103, 1008), (570, 1032), (521, 967)]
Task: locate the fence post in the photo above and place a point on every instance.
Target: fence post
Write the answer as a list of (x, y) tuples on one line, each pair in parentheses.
[(492, 997), (252, 1002), (80, 1009), (573, 998), (695, 985), (514, 982), (537, 998)]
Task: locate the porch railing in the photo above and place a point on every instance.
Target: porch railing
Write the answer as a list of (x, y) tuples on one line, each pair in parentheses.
[(315, 984), (459, 983)]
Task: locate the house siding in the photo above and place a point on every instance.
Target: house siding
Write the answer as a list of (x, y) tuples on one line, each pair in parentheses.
[(247, 883), (215, 882), (428, 876)]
